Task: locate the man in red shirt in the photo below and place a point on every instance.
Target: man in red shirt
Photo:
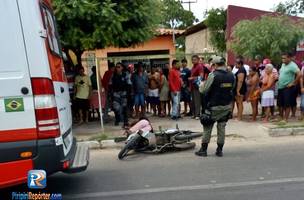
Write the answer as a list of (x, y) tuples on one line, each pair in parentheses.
[(105, 84), (197, 75), (175, 85)]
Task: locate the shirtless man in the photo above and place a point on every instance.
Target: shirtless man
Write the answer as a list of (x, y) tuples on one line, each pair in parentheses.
[(153, 91)]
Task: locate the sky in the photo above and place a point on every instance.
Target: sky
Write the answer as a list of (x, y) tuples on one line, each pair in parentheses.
[(201, 5)]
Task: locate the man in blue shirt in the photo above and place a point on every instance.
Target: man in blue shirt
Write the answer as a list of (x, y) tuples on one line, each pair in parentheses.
[(185, 93)]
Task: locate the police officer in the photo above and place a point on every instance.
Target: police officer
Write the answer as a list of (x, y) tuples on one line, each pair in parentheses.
[(120, 86), (217, 95)]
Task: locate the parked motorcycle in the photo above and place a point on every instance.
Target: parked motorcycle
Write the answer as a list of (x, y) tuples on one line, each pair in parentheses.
[(160, 141)]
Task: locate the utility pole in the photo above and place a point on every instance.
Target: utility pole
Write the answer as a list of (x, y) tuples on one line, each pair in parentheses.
[(189, 2)]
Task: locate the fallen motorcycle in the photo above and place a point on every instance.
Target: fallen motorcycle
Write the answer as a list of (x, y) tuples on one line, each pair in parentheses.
[(160, 141)]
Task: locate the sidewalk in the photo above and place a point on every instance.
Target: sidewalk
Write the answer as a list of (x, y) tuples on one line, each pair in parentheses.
[(237, 130), (241, 129)]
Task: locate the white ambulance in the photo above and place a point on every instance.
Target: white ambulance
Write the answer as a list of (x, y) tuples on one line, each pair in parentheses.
[(35, 109)]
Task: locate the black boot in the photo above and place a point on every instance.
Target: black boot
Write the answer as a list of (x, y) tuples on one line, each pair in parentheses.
[(219, 150), (203, 150)]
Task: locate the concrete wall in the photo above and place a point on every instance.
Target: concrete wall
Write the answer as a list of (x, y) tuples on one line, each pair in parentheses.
[(198, 42)]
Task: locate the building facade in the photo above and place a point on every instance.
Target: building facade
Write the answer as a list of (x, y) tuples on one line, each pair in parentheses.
[(158, 51), (198, 36), (197, 39)]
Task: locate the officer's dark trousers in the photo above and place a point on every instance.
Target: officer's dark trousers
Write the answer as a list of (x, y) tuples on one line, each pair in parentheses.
[(220, 132), (120, 106)]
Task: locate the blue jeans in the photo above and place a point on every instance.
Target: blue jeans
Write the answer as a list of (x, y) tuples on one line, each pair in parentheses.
[(139, 99), (175, 104)]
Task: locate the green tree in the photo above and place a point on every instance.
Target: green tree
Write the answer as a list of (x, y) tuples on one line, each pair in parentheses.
[(175, 16), (90, 24), (291, 7), (268, 36), (281, 8), (216, 23)]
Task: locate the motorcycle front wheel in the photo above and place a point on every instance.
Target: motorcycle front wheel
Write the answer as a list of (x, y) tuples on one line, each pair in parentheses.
[(129, 146)]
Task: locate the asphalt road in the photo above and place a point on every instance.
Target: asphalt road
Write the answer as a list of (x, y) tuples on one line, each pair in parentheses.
[(248, 170)]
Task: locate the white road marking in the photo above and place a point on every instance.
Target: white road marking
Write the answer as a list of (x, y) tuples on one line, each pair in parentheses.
[(183, 188)]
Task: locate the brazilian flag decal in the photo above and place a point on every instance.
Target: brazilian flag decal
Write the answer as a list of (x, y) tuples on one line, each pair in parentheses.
[(14, 105)]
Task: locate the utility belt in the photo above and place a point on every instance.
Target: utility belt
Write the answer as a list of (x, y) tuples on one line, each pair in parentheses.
[(210, 115)]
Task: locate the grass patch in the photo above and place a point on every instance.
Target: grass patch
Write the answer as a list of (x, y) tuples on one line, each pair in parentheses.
[(280, 124), (284, 125)]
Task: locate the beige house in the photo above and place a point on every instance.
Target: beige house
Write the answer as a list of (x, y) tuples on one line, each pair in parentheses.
[(197, 40)]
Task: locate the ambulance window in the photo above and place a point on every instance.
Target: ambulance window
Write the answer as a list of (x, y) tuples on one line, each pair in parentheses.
[(50, 27)]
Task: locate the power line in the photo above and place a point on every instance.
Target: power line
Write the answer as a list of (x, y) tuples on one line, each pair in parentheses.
[(189, 2)]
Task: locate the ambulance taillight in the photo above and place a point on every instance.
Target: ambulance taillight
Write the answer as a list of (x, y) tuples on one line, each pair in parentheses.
[(45, 108)]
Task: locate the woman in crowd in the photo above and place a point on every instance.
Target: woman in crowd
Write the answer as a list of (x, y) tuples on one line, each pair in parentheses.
[(253, 91), (267, 91), (164, 91), (240, 89), (94, 102)]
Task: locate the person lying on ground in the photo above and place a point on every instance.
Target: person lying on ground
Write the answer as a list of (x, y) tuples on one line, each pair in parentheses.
[(143, 124)]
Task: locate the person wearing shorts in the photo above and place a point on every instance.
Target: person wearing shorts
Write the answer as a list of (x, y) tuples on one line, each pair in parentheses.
[(267, 91), (287, 94), (140, 85), (83, 89)]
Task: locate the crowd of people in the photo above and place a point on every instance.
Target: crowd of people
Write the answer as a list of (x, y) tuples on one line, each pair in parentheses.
[(263, 83), (158, 91), (135, 92)]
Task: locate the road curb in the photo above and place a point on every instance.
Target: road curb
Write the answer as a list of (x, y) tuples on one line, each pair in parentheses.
[(107, 144), (277, 132), (103, 144)]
